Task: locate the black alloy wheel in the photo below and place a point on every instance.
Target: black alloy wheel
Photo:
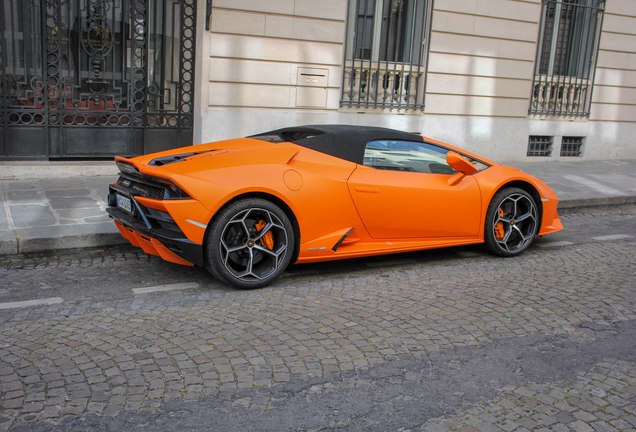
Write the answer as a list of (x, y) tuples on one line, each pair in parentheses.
[(249, 244), (512, 222)]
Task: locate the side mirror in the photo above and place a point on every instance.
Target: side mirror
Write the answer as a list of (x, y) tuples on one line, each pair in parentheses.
[(460, 163)]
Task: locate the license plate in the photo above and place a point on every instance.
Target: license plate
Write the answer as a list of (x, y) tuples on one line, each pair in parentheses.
[(124, 203)]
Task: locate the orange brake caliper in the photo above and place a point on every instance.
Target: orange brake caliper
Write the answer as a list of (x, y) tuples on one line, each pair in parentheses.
[(499, 228), (268, 238)]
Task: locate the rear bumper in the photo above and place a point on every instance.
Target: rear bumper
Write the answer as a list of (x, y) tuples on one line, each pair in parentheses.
[(177, 250)]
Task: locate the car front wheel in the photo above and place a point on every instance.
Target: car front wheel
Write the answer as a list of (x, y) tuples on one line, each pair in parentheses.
[(512, 222), (249, 244)]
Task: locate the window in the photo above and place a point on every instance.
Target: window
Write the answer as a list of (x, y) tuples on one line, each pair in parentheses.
[(566, 57), (385, 53), (539, 145), (571, 146), (410, 157)]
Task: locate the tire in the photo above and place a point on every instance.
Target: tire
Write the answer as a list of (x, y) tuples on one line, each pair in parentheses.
[(512, 222), (249, 244)]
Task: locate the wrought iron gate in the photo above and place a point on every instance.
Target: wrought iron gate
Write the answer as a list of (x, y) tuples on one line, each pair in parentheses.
[(91, 78)]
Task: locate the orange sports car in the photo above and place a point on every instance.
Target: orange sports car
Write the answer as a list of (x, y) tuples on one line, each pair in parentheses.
[(247, 208)]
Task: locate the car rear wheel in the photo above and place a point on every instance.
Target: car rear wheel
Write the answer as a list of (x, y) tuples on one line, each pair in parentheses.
[(512, 222), (249, 244)]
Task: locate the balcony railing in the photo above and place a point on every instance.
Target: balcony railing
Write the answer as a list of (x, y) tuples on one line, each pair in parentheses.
[(561, 96), (383, 85)]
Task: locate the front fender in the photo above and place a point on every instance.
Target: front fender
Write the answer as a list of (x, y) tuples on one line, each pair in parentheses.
[(498, 177)]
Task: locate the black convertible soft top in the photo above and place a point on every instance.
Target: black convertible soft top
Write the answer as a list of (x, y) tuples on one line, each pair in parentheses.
[(342, 141)]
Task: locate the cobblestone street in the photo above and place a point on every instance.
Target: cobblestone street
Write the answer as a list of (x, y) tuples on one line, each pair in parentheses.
[(544, 341)]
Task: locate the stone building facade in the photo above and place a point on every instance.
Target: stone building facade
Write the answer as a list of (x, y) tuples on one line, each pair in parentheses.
[(513, 80)]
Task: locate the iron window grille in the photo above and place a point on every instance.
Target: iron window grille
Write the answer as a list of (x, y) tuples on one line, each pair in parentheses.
[(566, 57), (385, 54), (571, 146), (539, 145)]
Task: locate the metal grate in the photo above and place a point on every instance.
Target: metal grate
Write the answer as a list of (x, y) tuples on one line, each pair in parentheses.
[(385, 54), (539, 145), (571, 146), (148, 191), (566, 57)]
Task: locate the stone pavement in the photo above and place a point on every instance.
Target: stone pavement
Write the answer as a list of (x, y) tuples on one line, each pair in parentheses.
[(306, 347), (600, 399), (587, 183), (40, 212), (55, 213)]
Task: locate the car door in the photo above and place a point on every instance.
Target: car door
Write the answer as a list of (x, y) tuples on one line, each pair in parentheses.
[(402, 191)]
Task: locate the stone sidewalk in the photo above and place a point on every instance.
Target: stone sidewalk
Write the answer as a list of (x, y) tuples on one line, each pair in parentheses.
[(39, 212), (55, 213)]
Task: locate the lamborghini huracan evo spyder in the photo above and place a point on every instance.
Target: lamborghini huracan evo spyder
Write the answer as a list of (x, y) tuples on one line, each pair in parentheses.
[(246, 208)]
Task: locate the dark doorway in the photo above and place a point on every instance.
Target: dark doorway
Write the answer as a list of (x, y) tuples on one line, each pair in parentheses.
[(95, 78)]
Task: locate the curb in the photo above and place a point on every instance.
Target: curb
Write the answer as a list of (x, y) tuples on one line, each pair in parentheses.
[(48, 239), (596, 202)]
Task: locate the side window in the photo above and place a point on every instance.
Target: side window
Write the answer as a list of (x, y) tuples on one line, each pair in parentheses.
[(407, 156)]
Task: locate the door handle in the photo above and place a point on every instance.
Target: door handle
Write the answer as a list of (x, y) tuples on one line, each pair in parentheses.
[(367, 189)]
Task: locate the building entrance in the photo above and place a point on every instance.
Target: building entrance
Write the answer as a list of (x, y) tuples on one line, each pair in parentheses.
[(95, 78)]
